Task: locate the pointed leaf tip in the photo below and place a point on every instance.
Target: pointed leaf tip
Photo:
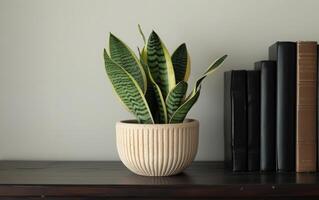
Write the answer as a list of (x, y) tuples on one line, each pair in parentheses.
[(181, 63), (160, 63), (154, 34), (141, 32)]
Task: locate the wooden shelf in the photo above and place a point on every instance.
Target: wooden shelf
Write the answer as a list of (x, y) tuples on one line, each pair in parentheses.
[(100, 180)]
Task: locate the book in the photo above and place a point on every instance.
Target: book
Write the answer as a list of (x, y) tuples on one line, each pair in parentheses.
[(235, 120), (253, 113), (285, 55), (306, 150), (267, 114), (317, 109)]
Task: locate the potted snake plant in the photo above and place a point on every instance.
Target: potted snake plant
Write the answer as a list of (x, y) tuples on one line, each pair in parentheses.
[(153, 86)]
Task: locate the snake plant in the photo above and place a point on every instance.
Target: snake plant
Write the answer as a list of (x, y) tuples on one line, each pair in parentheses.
[(153, 85)]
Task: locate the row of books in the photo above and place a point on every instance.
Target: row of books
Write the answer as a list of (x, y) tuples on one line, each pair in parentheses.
[(270, 113)]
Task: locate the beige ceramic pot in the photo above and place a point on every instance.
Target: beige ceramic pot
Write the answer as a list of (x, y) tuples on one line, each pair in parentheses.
[(157, 149)]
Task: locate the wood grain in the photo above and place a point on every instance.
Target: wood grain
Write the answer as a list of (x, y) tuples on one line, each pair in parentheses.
[(99, 180)]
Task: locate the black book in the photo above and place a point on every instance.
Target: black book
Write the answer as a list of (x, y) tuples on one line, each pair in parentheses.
[(285, 55), (253, 113), (318, 107), (267, 114), (235, 120)]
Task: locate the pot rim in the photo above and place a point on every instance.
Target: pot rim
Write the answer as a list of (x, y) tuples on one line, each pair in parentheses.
[(132, 122)]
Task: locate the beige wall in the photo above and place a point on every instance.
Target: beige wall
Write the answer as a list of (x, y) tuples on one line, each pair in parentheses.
[(55, 100)]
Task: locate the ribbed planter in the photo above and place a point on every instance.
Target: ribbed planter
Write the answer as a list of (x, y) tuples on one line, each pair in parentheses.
[(157, 149)]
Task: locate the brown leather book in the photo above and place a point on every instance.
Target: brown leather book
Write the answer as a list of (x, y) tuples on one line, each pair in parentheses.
[(306, 157)]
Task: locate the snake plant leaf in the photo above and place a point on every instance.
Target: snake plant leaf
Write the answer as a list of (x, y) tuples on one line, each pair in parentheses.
[(217, 63), (141, 32), (175, 98), (153, 95), (160, 64), (143, 54), (150, 93), (152, 102), (160, 112), (128, 90), (181, 63), (125, 57), (180, 114)]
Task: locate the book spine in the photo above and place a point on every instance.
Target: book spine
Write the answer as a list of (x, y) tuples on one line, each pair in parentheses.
[(239, 120), (267, 114), (317, 109), (285, 55), (253, 112), (227, 121), (306, 107)]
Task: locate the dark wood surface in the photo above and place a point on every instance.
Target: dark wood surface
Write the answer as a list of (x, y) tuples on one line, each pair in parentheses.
[(101, 180)]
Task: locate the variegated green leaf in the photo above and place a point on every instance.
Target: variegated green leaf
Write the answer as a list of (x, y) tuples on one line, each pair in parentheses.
[(175, 98), (125, 57), (181, 63), (160, 113), (182, 111), (180, 114), (150, 93), (128, 90), (153, 94), (217, 63), (160, 64)]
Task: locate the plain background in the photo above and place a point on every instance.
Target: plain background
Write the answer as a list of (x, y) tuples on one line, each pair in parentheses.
[(56, 102)]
